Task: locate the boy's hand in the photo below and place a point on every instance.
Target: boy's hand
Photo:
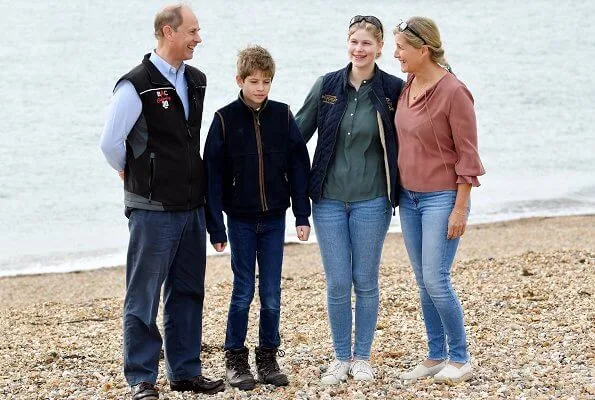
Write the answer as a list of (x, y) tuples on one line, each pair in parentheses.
[(303, 232), (219, 247)]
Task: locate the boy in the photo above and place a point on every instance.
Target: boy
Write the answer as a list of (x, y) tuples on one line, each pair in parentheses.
[(255, 160)]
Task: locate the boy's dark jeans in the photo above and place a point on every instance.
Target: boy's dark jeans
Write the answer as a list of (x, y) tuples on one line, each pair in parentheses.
[(250, 240)]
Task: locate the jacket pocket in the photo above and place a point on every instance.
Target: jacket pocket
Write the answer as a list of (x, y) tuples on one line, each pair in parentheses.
[(245, 184), (277, 179), (235, 188)]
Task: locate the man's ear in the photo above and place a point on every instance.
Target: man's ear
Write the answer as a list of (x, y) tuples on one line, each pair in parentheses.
[(168, 31), (239, 81)]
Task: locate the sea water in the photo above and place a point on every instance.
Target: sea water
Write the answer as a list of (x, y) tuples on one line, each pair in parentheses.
[(61, 205)]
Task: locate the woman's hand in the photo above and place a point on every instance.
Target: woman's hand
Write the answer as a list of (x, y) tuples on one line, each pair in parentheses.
[(457, 222)]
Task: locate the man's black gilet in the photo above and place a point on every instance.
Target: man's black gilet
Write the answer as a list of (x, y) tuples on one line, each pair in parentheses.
[(164, 170)]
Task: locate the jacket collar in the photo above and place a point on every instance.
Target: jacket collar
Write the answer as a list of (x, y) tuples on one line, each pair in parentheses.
[(347, 70), (157, 77), (264, 103)]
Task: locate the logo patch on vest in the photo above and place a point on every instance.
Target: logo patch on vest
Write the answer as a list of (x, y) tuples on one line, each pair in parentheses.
[(329, 99), (163, 98), (390, 104)]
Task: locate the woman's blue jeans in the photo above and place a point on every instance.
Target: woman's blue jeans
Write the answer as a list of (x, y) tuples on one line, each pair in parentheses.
[(424, 222), (351, 236)]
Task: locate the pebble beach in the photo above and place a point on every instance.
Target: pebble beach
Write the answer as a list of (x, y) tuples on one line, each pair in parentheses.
[(527, 289)]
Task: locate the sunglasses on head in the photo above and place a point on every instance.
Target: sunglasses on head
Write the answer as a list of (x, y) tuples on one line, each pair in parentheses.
[(404, 27), (367, 18)]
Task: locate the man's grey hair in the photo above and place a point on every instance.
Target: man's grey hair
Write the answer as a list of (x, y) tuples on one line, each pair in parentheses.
[(170, 15)]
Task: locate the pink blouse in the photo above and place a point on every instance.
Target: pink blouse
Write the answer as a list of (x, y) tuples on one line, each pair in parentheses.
[(437, 137)]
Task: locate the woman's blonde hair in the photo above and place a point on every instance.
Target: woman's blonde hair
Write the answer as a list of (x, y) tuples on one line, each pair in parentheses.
[(428, 31), (373, 29)]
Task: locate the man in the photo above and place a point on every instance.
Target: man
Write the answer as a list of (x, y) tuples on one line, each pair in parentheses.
[(152, 139)]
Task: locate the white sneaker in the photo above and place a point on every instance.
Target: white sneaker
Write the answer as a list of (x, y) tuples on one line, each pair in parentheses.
[(421, 371), (361, 370), (452, 374), (336, 373)]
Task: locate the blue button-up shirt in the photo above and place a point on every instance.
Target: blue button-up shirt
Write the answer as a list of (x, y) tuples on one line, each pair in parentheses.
[(126, 107)]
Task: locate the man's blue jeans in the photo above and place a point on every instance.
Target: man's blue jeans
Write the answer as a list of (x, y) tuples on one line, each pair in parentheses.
[(424, 221), (351, 236), (167, 248), (251, 240)]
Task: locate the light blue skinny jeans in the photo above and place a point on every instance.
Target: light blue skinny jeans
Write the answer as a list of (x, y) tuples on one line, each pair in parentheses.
[(351, 236), (424, 222)]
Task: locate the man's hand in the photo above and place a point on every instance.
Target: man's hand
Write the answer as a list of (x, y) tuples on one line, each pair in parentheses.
[(219, 247), (303, 232), (121, 174)]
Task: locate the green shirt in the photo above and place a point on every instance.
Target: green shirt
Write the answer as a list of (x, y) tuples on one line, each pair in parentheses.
[(356, 170)]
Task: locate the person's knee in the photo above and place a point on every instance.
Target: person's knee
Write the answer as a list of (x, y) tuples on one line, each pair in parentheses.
[(435, 285), (366, 286), (138, 319), (338, 289), (270, 298), (366, 291), (419, 279), (242, 295), (193, 287)]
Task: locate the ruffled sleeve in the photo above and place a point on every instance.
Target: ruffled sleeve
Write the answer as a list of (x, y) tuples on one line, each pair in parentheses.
[(464, 131), (471, 180)]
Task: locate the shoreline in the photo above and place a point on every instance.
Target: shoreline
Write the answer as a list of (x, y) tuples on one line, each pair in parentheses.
[(481, 240), (288, 244)]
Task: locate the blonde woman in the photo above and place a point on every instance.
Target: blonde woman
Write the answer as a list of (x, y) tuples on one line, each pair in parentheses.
[(438, 164), (353, 185)]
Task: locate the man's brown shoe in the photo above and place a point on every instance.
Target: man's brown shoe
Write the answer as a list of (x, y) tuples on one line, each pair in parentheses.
[(198, 384)]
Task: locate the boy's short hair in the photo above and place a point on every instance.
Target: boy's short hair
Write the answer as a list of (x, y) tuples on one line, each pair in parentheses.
[(254, 58)]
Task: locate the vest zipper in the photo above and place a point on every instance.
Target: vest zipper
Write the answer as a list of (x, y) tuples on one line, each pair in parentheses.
[(189, 152), (263, 200), (151, 174)]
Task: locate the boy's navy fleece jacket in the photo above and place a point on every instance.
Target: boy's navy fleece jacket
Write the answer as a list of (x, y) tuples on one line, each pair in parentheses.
[(255, 160)]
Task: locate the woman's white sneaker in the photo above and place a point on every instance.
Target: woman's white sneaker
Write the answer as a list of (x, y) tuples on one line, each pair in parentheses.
[(361, 370), (452, 374), (421, 371), (335, 373)]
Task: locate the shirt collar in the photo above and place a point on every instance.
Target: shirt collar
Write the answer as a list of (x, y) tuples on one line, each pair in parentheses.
[(347, 70), (164, 67)]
